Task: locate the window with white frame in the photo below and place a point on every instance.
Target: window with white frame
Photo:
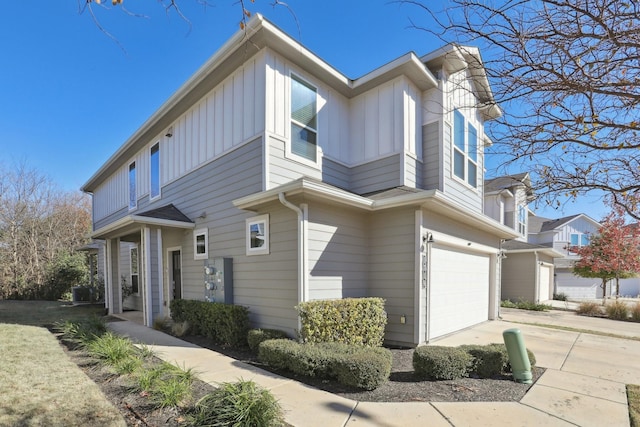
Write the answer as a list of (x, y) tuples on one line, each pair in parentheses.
[(579, 239), (304, 119), (133, 197), (465, 149), (201, 243), (522, 220), (257, 237), (154, 171)]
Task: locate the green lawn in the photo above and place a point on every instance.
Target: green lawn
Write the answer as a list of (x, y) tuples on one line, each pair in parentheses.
[(44, 313), (633, 396), (40, 385)]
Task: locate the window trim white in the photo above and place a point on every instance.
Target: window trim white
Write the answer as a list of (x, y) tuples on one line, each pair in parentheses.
[(135, 186), (201, 232), (465, 153), (159, 195), (289, 151), (264, 250)]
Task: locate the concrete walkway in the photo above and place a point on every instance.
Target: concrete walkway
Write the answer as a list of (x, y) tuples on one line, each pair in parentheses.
[(584, 383)]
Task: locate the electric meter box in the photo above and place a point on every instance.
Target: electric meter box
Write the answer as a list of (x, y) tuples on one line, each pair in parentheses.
[(218, 280)]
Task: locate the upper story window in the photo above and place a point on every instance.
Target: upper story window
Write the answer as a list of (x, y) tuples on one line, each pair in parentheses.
[(465, 150), (304, 119), (522, 220), (579, 239), (154, 170), (133, 197)]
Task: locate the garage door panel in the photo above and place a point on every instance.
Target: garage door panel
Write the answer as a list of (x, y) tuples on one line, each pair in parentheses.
[(459, 290)]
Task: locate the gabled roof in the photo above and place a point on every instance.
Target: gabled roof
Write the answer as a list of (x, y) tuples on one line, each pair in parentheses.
[(164, 216), (260, 33), (516, 246), (539, 224), (508, 182)]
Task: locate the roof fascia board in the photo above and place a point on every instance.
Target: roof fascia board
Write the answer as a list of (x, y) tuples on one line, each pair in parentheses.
[(547, 251), (143, 220), (408, 65)]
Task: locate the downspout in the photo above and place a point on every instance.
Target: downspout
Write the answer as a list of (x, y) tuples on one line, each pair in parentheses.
[(303, 259), (536, 270)]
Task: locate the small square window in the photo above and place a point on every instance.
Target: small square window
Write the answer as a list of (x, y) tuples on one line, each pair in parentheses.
[(201, 244), (257, 237)]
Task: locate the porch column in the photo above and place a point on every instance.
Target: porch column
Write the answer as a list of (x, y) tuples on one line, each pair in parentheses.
[(112, 279)]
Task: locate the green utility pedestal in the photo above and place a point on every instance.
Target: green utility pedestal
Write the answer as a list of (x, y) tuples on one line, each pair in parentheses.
[(518, 357)]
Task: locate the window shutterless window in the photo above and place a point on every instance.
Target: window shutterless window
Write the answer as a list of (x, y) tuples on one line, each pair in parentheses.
[(304, 114), (465, 149), (133, 197), (201, 243), (522, 220), (154, 170), (257, 237), (133, 254)]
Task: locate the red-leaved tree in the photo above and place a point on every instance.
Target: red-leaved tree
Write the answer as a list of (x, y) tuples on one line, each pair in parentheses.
[(613, 253)]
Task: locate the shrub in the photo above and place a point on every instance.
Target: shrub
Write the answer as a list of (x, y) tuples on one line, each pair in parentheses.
[(525, 305), (635, 312), (365, 370), (441, 363), (488, 360), (66, 271), (589, 308), (238, 404), (223, 323), (618, 310), (359, 321), (256, 336), (561, 296), (351, 365)]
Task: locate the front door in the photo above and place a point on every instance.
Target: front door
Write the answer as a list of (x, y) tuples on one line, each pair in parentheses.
[(176, 274)]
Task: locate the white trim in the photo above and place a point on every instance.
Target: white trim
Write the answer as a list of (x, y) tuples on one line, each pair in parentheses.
[(143, 220), (199, 232), (148, 297), (263, 250), (109, 276), (159, 196), (160, 271), (135, 184), (289, 144)]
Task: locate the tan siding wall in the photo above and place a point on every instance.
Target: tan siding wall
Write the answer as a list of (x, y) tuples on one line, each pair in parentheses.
[(518, 277)]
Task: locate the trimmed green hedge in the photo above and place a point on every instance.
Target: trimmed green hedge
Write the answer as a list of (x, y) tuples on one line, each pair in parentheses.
[(354, 366), (358, 321), (448, 363), (223, 323), (441, 363), (256, 336)]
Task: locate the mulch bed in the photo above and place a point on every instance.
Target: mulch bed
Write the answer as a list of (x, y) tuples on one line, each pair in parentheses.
[(403, 386)]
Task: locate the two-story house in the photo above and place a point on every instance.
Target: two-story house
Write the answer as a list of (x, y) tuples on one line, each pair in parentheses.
[(270, 178), (563, 234), (527, 268)]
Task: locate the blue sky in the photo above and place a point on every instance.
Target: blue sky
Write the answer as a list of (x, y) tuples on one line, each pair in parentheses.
[(70, 95)]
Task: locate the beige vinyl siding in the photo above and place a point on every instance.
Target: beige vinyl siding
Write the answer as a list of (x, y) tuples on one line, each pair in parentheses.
[(412, 171), (228, 116), (336, 174), (338, 252), (392, 269), (282, 169), (518, 277), (432, 157), (376, 175)]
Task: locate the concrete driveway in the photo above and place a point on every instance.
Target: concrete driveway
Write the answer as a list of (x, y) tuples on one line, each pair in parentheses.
[(584, 383)]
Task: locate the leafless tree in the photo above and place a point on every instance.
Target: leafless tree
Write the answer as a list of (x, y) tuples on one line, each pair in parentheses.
[(567, 76), (38, 222)]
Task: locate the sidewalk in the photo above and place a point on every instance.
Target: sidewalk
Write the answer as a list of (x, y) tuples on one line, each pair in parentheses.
[(584, 383)]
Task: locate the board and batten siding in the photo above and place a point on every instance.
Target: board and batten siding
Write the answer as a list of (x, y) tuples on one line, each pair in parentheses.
[(338, 252), (392, 269), (229, 115)]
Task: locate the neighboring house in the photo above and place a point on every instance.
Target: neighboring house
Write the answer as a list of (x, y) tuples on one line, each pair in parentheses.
[(269, 178), (561, 235), (527, 269), (628, 287)]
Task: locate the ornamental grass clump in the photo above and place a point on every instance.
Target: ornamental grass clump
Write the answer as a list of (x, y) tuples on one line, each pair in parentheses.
[(635, 312), (617, 310), (239, 404), (589, 308)]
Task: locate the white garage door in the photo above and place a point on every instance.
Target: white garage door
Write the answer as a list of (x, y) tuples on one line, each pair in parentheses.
[(459, 290), (577, 287), (544, 291)]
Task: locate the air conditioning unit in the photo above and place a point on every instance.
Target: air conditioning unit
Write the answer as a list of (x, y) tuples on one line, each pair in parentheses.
[(81, 295)]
